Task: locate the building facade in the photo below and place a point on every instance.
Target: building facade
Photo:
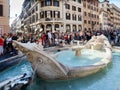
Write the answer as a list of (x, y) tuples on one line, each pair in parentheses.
[(4, 16), (106, 16), (116, 16), (68, 15), (90, 14), (109, 16), (54, 15)]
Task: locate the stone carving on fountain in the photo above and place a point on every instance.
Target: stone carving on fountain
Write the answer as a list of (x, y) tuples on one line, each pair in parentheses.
[(48, 68), (98, 42)]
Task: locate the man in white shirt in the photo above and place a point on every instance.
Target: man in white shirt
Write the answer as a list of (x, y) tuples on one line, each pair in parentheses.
[(49, 38)]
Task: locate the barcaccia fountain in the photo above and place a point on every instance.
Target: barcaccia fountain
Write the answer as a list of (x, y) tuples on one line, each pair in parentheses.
[(50, 67)]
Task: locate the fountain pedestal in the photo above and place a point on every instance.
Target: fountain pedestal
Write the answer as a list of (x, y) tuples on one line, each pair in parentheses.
[(77, 50)]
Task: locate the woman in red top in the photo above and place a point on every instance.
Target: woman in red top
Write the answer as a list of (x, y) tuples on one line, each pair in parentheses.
[(1, 45), (43, 39)]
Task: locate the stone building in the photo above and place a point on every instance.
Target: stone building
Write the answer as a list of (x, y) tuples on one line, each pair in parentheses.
[(4, 16), (90, 14), (106, 16), (116, 16), (109, 16), (54, 15)]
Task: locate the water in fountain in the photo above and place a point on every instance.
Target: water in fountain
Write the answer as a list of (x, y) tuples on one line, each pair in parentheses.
[(19, 69), (88, 57)]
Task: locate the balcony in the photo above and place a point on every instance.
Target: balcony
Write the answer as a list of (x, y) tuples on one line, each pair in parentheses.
[(51, 20), (48, 19)]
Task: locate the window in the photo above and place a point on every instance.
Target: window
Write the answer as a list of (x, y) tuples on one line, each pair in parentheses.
[(48, 2), (79, 9), (36, 17), (79, 1), (88, 22), (67, 6), (89, 6), (30, 20), (95, 9), (68, 28), (36, 8), (73, 8), (85, 21), (56, 26), (1, 10), (97, 16), (94, 22), (97, 23), (33, 11), (33, 18), (89, 14), (48, 14), (74, 28), (79, 18), (56, 3), (89, 28), (42, 14), (94, 16), (73, 17), (56, 14), (42, 3), (85, 14), (68, 16)]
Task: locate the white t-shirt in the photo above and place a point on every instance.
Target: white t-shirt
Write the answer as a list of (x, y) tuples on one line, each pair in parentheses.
[(8, 40), (49, 35)]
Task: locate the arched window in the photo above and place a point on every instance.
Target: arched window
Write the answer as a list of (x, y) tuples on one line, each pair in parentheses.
[(79, 27), (48, 27), (68, 28), (74, 28), (56, 26)]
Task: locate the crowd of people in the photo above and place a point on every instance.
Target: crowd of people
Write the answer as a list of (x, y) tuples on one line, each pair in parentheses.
[(50, 39)]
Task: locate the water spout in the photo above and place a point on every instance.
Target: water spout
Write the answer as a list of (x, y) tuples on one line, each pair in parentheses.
[(77, 50)]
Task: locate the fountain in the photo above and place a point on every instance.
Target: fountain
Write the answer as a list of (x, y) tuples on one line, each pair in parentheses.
[(49, 68), (77, 49)]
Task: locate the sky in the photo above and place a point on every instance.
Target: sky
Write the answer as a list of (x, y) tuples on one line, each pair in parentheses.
[(16, 6), (15, 9)]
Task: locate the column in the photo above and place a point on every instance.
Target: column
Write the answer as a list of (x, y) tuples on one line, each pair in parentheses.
[(53, 27), (71, 27), (77, 27), (44, 28)]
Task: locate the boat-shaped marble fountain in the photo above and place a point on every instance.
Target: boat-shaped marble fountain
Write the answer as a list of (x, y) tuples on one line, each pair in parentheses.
[(48, 67)]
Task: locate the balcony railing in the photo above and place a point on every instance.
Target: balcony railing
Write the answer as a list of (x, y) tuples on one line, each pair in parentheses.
[(52, 19)]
